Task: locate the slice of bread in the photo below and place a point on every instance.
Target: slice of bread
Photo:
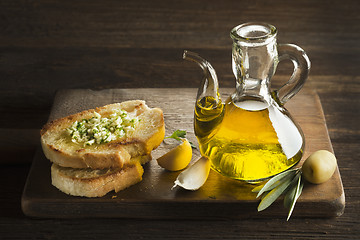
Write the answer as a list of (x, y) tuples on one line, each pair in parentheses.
[(149, 133), (95, 183)]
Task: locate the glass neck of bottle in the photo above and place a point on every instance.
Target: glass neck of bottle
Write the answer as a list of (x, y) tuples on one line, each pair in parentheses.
[(254, 60)]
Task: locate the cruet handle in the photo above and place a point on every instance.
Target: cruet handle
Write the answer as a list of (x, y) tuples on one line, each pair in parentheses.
[(301, 71)]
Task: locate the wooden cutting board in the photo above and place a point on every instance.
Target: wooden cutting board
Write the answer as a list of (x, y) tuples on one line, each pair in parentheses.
[(220, 197)]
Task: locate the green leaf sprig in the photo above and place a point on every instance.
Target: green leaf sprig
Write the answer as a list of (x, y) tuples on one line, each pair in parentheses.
[(288, 183), (178, 135)]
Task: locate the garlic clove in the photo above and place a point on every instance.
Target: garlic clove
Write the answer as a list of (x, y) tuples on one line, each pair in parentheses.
[(194, 176)]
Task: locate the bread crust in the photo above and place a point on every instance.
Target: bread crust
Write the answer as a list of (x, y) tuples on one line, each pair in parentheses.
[(59, 149), (95, 183)]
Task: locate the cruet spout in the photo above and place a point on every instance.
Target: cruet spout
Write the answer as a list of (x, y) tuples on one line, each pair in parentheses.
[(209, 86), (208, 112)]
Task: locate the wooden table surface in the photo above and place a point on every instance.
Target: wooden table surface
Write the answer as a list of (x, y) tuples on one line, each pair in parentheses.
[(50, 45)]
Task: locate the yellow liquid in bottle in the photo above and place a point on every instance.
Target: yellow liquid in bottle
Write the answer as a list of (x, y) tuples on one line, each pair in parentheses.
[(244, 144)]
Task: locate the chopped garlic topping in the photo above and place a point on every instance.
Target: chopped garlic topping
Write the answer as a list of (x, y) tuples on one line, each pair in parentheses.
[(102, 129)]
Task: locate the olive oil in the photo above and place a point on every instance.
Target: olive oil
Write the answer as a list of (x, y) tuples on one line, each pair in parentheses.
[(208, 116), (248, 141), (250, 136)]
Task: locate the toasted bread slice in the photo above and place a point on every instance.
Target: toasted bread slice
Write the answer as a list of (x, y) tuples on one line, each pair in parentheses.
[(149, 133), (95, 183)]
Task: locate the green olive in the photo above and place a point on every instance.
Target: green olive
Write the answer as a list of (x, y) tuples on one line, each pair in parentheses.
[(319, 167)]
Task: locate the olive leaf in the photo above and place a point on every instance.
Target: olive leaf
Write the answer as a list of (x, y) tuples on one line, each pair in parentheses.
[(290, 194), (288, 183), (275, 193), (258, 188), (178, 135), (289, 197), (276, 180), (299, 188)]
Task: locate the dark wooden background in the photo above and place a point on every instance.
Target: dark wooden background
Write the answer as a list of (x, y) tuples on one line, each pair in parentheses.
[(51, 45)]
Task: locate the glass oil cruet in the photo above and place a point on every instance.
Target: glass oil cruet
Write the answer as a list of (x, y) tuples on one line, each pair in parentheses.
[(251, 136)]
